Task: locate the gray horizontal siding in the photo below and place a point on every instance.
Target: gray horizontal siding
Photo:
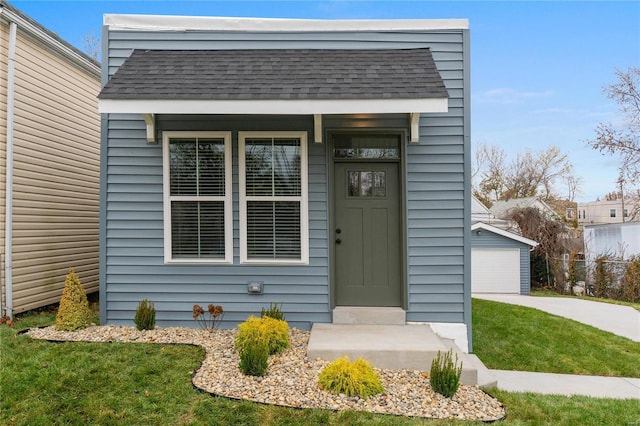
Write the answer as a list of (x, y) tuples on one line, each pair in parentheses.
[(490, 240), (435, 194)]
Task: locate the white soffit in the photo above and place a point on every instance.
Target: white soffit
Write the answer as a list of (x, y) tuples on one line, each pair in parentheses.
[(199, 23), (271, 107)]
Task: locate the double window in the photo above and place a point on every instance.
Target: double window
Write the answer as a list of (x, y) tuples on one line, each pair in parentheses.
[(272, 189)]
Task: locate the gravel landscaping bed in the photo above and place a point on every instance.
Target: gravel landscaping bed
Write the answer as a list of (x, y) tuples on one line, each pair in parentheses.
[(292, 379)]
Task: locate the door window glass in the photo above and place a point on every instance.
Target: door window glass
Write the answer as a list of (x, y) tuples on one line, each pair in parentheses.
[(361, 183)]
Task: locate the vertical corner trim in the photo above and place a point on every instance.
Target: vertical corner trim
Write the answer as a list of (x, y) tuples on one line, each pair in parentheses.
[(150, 121), (317, 128), (414, 117)]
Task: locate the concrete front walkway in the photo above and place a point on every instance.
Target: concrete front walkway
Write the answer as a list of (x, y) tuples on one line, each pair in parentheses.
[(568, 384), (617, 319)]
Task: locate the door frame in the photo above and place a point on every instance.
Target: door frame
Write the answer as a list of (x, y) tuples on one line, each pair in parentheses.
[(403, 136)]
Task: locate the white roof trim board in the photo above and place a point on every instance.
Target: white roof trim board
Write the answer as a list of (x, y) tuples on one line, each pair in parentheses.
[(285, 106), (481, 225), (196, 23)]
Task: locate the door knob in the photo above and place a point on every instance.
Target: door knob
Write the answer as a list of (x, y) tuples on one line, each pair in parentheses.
[(338, 240), (338, 231)]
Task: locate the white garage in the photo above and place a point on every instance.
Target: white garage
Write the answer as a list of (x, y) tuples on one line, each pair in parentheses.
[(499, 260)]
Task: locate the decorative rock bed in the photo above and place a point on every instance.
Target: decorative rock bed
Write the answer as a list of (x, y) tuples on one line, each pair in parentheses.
[(292, 379)]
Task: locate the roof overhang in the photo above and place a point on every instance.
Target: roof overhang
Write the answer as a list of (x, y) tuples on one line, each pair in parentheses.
[(481, 225), (277, 82)]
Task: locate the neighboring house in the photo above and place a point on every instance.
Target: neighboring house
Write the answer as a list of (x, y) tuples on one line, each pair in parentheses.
[(49, 163), (609, 211), (621, 240), (480, 213), (500, 261), (314, 163), (503, 208)]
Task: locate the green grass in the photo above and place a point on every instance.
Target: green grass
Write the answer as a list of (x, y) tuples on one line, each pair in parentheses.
[(552, 293), (44, 383), (510, 337)]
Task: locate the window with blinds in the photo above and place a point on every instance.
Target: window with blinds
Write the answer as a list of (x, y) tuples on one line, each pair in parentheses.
[(197, 196), (273, 197)]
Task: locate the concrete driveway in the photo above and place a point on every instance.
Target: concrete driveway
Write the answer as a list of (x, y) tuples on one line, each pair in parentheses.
[(621, 320)]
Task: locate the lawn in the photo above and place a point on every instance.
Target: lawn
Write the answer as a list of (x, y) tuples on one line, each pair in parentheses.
[(510, 337), (44, 383)]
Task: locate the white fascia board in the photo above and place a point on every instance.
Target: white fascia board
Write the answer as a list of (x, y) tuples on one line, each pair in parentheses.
[(271, 107), (507, 234), (203, 23)]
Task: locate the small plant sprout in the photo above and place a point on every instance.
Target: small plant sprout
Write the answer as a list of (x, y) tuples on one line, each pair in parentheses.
[(216, 313)]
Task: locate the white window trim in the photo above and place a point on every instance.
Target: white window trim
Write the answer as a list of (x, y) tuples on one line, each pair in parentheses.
[(227, 198), (303, 198)]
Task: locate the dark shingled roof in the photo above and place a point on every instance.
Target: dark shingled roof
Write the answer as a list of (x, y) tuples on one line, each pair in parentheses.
[(276, 74)]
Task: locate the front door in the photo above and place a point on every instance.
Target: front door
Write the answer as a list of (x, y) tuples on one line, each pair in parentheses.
[(367, 234)]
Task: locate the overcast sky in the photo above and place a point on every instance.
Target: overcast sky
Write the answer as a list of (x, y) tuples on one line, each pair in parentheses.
[(537, 68)]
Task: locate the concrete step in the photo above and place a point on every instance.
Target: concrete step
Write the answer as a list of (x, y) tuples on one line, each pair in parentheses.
[(409, 346), (368, 315)]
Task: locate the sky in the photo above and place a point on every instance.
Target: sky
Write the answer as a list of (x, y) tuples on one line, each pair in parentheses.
[(537, 68)]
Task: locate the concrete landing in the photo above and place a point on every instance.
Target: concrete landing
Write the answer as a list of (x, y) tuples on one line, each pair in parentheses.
[(410, 346)]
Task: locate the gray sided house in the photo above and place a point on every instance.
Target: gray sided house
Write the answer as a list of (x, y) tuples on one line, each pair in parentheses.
[(318, 164)]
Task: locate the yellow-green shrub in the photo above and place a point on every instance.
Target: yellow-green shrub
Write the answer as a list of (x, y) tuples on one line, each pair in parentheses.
[(74, 311), (275, 334), (350, 378)]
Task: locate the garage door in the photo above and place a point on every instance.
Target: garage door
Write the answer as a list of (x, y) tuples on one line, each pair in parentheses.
[(495, 270)]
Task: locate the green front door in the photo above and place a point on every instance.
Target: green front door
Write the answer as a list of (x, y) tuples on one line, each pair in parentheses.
[(367, 234)]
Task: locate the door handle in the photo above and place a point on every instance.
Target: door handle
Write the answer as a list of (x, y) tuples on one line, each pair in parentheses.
[(338, 240), (338, 231)]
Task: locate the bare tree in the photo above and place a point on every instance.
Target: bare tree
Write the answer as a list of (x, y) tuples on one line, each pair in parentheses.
[(532, 174), (91, 45), (623, 139)]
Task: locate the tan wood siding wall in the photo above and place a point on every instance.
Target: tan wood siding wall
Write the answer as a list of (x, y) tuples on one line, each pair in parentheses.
[(56, 175)]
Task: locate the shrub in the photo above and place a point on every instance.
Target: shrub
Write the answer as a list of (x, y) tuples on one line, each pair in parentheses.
[(274, 333), (602, 276), (274, 312), (216, 313), (145, 318), (74, 312), (445, 374), (254, 358), (631, 280), (352, 379)]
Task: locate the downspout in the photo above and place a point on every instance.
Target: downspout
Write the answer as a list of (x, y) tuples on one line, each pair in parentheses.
[(8, 217)]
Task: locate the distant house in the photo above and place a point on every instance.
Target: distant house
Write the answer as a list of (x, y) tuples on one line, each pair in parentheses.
[(321, 164), (503, 208), (616, 210), (621, 240), (49, 163)]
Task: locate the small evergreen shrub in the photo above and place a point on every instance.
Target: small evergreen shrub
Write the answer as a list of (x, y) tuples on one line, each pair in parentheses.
[(274, 333), (254, 358), (274, 312), (145, 318), (74, 312), (445, 374), (356, 378)]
